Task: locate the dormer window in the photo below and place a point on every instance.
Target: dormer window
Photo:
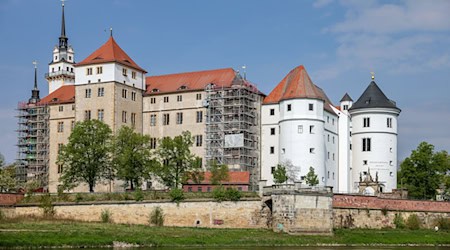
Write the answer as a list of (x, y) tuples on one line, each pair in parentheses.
[(70, 58), (345, 107), (124, 71), (56, 58), (155, 90), (183, 87)]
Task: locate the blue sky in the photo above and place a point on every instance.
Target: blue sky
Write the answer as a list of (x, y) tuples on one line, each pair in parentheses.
[(406, 44)]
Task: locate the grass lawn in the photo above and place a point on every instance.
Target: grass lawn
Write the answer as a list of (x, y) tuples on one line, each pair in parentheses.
[(34, 233)]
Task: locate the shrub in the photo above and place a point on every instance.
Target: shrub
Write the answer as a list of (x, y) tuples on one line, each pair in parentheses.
[(413, 222), (176, 195), (219, 194), (398, 221), (138, 195), (106, 216), (233, 194), (47, 207), (78, 197), (384, 211), (443, 223), (2, 215), (156, 217)]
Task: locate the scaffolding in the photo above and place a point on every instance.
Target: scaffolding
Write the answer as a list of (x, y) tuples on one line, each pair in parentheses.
[(233, 126), (33, 143)]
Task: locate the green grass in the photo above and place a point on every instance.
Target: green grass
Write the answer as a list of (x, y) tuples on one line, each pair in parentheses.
[(29, 232)]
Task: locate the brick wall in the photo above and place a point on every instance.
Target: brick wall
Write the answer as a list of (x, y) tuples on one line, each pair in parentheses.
[(370, 202), (10, 199)]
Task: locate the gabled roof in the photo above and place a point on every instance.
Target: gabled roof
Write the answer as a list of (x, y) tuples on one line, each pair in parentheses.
[(373, 97), (64, 94), (295, 85), (235, 178), (346, 98), (189, 81), (110, 52)]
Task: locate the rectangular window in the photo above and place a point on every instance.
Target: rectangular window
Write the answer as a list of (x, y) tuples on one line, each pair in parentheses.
[(60, 127), (333, 157), (99, 70), (87, 93), (199, 189), (60, 146), (272, 150), (332, 121), (153, 100), (199, 96), (310, 107), (152, 120), (87, 115), (124, 93), (166, 119), (364, 162), (345, 107), (328, 155), (198, 140), (199, 116), (328, 138), (73, 106), (366, 122), (311, 129), (89, 71), (179, 98), (100, 114), (179, 118), (61, 108), (272, 131), (389, 122), (124, 72), (124, 116), (272, 170), (133, 96), (289, 107), (333, 139), (101, 92), (133, 119), (166, 99), (153, 142), (366, 145), (272, 111), (300, 129), (312, 150), (133, 74)]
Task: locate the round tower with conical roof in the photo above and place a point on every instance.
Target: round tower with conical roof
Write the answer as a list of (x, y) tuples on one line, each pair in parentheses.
[(374, 139)]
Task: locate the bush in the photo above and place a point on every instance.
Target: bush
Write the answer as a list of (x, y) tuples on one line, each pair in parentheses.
[(233, 194), (176, 195), (106, 216), (413, 222), (138, 195), (2, 215), (443, 223), (219, 194), (399, 222), (48, 209), (78, 197), (156, 217)]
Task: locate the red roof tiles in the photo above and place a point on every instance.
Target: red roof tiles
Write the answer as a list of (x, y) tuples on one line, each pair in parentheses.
[(235, 178), (110, 52), (189, 81), (64, 94)]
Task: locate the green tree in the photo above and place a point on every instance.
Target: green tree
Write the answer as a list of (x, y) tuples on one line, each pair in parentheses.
[(2, 160), (219, 173), (8, 181), (311, 177), (423, 171), (87, 156), (280, 174), (176, 159), (132, 157)]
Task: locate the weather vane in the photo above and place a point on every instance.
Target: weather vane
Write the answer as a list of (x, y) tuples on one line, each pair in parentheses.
[(62, 1), (373, 75), (35, 64)]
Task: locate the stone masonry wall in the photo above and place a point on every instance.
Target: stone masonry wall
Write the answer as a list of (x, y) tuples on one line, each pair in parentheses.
[(242, 214)]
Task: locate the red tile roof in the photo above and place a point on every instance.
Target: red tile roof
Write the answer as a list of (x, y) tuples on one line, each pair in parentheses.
[(110, 52), (190, 80), (235, 178), (64, 94), (297, 84)]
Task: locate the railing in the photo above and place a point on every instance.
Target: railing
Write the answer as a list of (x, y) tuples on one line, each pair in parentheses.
[(298, 187), (60, 72)]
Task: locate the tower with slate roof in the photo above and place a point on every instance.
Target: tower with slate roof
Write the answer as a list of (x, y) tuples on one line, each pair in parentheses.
[(374, 138)]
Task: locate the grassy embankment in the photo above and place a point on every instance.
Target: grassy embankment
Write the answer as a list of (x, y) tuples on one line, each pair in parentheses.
[(28, 232)]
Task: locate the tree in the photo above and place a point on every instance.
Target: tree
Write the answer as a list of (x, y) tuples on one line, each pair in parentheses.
[(87, 156), (2, 160), (311, 177), (280, 174), (176, 159), (132, 157), (8, 178), (219, 173), (423, 171)]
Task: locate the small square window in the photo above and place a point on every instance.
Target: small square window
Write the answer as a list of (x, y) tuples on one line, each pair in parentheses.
[(310, 107), (289, 107), (198, 96), (311, 129), (364, 162), (311, 150), (272, 150), (272, 170), (272, 131), (272, 111), (61, 108), (300, 129)]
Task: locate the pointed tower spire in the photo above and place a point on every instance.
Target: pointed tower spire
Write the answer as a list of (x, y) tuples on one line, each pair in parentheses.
[(35, 92), (63, 39)]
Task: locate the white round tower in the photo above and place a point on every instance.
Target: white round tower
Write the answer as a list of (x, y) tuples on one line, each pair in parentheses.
[(374, 139)]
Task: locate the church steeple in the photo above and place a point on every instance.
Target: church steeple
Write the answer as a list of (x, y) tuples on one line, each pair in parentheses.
[(63, 39), (35, 92)]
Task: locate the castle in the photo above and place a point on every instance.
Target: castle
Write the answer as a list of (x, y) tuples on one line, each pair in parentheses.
[(231, 121)]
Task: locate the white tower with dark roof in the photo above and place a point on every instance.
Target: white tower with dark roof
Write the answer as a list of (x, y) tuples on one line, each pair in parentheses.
[(374, 139), (61, 70)]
